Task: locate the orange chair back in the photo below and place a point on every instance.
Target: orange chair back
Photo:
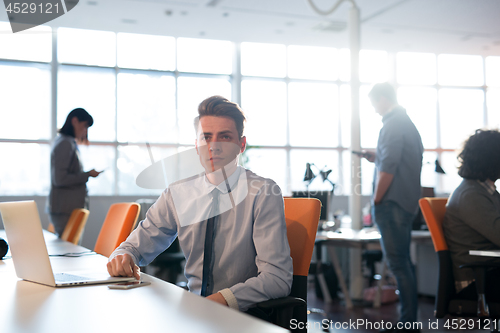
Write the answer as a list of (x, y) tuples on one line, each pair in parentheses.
[(302, 217), (74, 228), (118, 224), (433, 210)]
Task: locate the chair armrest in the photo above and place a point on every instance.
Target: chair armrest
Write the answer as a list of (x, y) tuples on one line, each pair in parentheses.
[(485, 265), (284, 302)]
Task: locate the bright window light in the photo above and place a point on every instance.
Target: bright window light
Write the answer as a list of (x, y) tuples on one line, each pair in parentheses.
[(373, 66), (146, 51), (316, 63), (268, 163), (146, 108), (204, 56), (92, 89), (367, 174), (416, 68), (191, 91), (421, 105), (313, 114), (25, 101), (259, 59), (451, 179), (86, 47), (370, 121), (460, 70), (461, 113), (264, 104), (25, 169), (132, 160), (22, 45), (493, 71), (493, 105), (99, 158)]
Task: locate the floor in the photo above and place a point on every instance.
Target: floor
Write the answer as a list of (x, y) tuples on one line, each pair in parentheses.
[(340, 319)]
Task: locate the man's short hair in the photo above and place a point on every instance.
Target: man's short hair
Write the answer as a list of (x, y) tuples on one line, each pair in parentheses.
[(383, 89), (480, 156), (219, 106)]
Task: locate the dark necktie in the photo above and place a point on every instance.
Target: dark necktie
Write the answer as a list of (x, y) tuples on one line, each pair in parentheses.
[(207, 283)]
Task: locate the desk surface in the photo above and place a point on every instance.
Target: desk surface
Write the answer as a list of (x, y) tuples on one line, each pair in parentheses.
[(160, 307), (485, 253), (366, 235)]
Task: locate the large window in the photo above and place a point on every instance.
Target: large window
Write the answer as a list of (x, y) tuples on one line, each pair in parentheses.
[(143, 92)]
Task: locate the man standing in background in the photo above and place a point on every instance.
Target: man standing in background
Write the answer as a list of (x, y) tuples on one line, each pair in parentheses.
[(398, 163)]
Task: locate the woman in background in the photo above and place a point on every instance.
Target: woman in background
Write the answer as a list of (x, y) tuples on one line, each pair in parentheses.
[(472, 220), (68, 189)]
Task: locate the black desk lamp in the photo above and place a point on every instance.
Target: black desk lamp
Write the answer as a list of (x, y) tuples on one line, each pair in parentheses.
[(438, 168)]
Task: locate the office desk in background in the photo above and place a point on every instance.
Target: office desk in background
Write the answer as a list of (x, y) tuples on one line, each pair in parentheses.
[(368, 238), (161, 307)]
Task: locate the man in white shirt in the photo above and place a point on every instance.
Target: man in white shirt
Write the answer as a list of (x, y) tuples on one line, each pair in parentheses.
[(229, 221)]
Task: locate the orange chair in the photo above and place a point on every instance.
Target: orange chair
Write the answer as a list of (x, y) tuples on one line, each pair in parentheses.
[(302, 217), (74, 228), (447, 301), (118, 224)]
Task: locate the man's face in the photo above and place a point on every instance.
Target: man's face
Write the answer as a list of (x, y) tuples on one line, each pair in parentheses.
[(381, 105), (218, 143)]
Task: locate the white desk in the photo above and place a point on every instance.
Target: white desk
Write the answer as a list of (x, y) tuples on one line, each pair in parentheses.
[(361, 239), (160, 307), (485, 253)]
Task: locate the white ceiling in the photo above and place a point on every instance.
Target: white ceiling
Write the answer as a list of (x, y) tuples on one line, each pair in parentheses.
[(440, 26)]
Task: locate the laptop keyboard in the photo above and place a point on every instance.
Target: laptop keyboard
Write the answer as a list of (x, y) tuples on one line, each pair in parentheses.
[(64, 277)]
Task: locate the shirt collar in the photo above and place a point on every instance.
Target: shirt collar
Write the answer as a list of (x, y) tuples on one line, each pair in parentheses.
[(396, 109), (490, 187), (222, 187)]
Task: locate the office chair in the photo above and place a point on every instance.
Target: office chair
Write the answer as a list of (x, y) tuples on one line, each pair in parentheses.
[(302, 217), (118, 224), (447, 300), (74, 228)]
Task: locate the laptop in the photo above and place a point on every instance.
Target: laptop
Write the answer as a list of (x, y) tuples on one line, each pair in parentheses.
[(29, 251)]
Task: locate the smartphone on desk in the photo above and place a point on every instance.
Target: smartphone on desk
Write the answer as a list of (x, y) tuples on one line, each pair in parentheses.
[(129, 285)]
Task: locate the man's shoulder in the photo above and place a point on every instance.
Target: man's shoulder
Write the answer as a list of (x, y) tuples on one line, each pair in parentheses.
[(188, 180), (252, 176)]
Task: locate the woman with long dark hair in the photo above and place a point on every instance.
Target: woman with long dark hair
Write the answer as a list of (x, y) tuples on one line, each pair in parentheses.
[(68, 189)]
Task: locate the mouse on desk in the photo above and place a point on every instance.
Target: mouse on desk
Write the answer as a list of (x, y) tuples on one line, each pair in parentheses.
[(4, 248), (338, 231)]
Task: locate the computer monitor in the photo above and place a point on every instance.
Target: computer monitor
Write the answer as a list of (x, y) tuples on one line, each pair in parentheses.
[(324, 196)]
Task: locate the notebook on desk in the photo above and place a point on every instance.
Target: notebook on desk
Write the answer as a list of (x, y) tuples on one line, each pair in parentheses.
[(29, 251)]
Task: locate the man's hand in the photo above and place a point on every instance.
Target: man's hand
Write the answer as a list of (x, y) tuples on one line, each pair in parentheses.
[(218, 298), (384, 180), (369, 155), (123, 265)]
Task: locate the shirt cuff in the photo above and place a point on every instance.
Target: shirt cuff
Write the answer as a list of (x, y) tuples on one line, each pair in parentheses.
[(230, 299)]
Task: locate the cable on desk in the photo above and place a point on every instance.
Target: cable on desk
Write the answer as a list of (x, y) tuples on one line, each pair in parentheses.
[(73, 254)]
